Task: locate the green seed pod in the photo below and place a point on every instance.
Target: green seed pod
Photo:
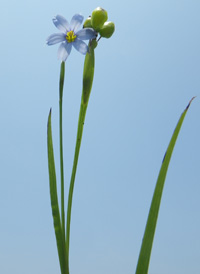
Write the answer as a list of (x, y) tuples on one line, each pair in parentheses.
[(107, 29), (99, 17), (87, 23)]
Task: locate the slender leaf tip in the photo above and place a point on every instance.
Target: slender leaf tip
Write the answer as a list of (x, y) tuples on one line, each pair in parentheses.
[(186, 109), (190, 102)]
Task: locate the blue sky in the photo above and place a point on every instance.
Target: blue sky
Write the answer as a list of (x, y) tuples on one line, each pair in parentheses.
[(145, 76)]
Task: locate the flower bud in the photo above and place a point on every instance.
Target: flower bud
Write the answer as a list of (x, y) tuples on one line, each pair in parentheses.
[(99, 17), (107, 29), (87, 23)]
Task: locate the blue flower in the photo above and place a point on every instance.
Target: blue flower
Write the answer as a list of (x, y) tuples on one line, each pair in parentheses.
[(70, 36)]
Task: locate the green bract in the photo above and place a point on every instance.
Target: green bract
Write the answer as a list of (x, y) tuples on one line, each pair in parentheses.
[(99, 17), (107, 29), (87, 23)]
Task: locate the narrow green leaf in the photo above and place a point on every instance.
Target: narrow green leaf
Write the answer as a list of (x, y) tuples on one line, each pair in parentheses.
[(61, 85), (54, 202), (88, 75), (145, 252)]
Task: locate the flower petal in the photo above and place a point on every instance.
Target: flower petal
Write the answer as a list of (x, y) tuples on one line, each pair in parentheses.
[(55, 38), (86, 34), (64, 51), (61, 23), (80, 46), (76, 21)]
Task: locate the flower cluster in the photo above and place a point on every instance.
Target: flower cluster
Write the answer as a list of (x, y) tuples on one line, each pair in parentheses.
[(71, 35)]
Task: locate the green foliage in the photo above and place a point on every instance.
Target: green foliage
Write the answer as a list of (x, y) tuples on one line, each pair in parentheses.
[(54, 201), (145, 252)]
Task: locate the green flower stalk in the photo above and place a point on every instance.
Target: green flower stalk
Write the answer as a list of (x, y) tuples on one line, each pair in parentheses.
[(62, 76), (88, 74)]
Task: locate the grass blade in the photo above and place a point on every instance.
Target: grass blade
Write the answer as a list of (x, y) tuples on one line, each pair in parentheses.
[(54, 202), (145, 252)]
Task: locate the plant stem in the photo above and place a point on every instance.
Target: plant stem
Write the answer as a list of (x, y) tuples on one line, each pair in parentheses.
[(88, 75), (82, 114), (62, 76)]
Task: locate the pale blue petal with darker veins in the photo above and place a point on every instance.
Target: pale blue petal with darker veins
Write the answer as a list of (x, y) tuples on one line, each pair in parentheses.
[(64, 51), (80, 46), (86, 34), (55, 38), (76, 22), (61, 23)]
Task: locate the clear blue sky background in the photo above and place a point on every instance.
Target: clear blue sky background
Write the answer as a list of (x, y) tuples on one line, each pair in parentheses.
[(145, 76)]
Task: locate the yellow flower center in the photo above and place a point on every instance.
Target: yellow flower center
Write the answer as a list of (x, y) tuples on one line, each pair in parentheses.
[(70, 36)]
